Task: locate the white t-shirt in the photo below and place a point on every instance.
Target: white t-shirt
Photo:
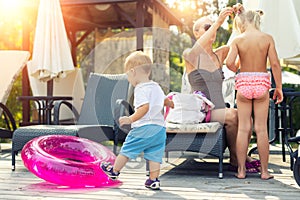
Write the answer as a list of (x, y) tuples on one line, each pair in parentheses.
[(149, 92)]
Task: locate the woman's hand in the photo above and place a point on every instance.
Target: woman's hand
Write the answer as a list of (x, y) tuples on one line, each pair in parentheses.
[(223, 14), (238, 8)]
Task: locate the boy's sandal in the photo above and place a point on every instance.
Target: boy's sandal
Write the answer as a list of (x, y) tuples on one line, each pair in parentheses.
[(106, 166)]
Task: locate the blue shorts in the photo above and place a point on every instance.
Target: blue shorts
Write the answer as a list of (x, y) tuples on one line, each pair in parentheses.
[(150, 139)]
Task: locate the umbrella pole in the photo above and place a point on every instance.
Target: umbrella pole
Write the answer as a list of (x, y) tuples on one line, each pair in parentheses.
[(50, 87), (49, 94)]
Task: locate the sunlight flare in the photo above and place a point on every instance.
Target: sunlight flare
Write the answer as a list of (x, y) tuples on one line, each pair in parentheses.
[(10, 8), (9, 4), (15, 8)]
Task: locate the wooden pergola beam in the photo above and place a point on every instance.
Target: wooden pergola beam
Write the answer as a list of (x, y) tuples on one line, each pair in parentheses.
[(83, 37), (103, 25), (92, 2), (120, 11)]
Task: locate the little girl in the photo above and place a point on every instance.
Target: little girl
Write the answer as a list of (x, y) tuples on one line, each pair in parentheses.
[(252, 48)]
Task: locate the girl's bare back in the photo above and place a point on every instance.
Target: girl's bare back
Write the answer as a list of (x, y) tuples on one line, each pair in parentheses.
[(253, 49)]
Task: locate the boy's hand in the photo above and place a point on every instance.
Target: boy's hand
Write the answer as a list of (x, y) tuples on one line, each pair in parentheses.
[(169, 103), (124, 120)]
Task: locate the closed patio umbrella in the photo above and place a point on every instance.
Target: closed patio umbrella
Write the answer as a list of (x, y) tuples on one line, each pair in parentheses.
[(51, 56)]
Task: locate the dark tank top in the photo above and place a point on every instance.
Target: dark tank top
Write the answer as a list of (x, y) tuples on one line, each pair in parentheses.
[(210, 83)]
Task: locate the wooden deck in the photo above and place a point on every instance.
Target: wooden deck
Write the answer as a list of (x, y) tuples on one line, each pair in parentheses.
[(183, 178)]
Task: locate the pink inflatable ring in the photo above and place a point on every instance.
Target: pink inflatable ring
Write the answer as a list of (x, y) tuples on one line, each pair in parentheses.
[(68, 161)]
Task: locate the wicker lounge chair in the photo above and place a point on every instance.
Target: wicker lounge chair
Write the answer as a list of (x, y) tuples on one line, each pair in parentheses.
[(96, 120), (205, 138)]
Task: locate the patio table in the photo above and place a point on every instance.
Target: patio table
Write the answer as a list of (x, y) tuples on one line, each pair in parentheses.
[(45, 105)]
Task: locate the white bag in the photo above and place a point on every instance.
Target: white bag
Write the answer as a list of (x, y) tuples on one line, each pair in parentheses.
[(188, 108)]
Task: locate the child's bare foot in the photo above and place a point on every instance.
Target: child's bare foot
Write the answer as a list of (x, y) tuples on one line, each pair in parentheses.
[(266, 176), (240, 175)]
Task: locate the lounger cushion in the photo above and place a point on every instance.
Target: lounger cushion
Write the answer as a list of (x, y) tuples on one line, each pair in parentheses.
[(211, 127)]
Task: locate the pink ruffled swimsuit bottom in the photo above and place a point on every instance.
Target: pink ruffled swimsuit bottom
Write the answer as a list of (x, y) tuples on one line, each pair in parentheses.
[(252, 85)]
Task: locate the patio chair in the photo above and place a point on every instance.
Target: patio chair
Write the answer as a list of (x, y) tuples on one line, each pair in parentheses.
[(95, 121), (12, 62)]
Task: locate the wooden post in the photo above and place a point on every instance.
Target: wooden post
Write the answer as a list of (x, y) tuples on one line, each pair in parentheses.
[(25, 79), (72, 37), (140, 25)]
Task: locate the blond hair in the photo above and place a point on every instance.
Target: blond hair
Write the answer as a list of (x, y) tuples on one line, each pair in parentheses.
[(250, 16), (138, 59)]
